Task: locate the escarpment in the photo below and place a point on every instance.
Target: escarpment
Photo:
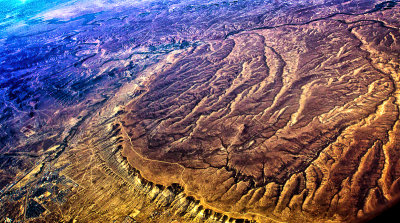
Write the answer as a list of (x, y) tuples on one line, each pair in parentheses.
[(231, 111)]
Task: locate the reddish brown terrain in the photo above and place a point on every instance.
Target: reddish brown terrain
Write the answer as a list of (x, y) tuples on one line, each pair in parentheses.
[(227, 112)]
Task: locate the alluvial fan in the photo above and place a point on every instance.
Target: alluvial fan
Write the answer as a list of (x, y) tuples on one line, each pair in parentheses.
[(199, 111)]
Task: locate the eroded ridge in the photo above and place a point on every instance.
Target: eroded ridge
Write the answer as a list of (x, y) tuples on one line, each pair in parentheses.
[(105, 177), (272, 111), (277, 129)]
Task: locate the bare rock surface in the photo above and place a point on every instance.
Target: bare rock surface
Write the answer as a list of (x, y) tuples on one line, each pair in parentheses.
[(203, 111)]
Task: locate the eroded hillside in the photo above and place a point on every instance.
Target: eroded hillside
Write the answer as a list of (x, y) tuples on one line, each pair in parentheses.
[(205, 112)]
